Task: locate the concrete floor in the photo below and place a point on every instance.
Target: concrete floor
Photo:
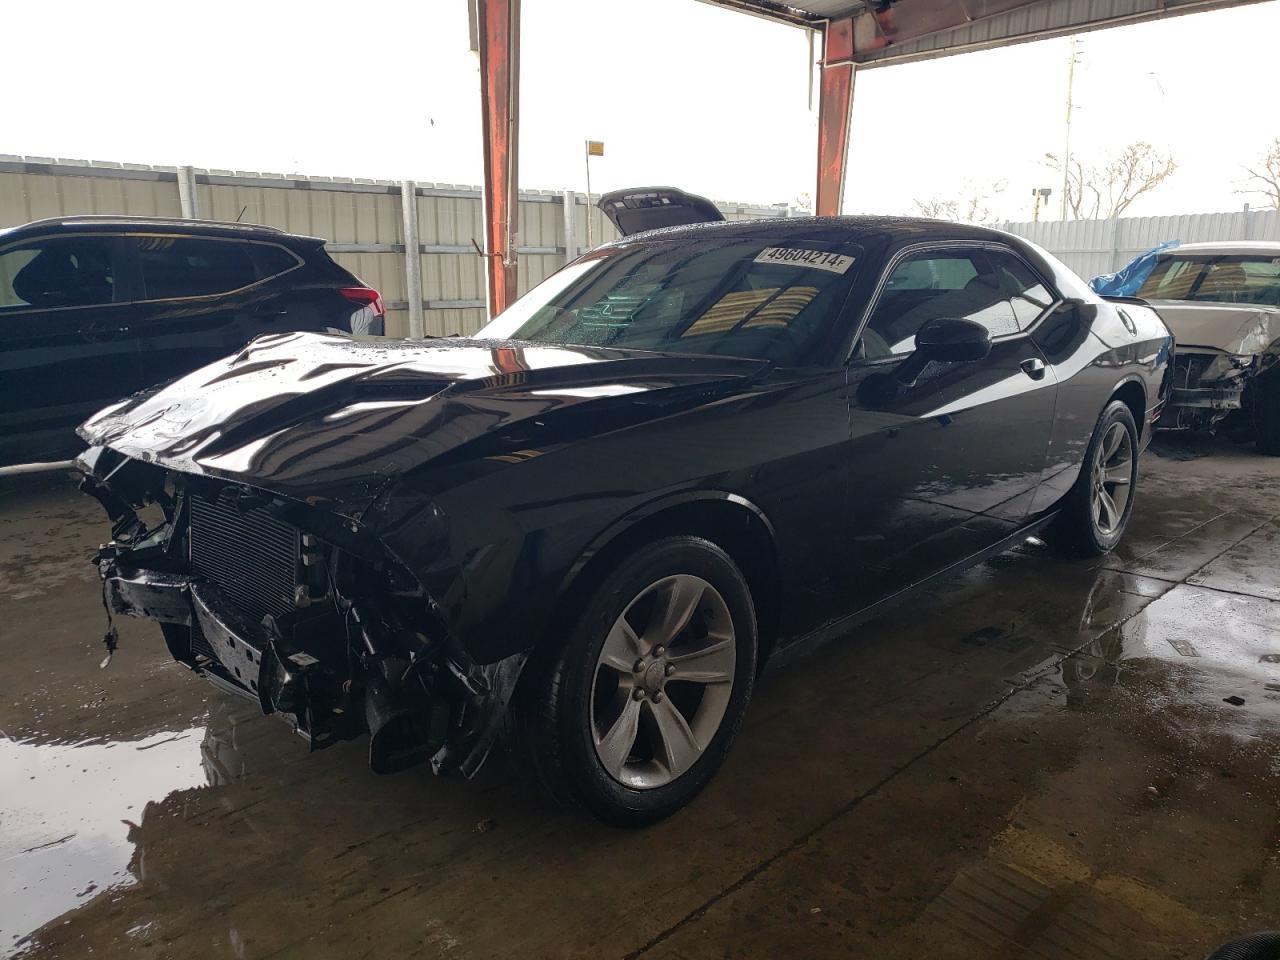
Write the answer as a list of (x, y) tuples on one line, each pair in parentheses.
[(1034, 760)]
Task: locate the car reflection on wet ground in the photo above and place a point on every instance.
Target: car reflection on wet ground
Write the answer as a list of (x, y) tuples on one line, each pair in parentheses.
[(1038, 758)]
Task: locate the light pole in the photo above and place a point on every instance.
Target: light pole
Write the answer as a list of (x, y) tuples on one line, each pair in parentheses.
[(1066, 146)]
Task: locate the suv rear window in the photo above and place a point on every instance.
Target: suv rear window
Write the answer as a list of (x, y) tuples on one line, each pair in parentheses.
[(1224, 279), (193, 266), (270, 260)]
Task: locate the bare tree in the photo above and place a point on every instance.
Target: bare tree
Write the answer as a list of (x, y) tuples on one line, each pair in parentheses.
[(1103, 192), (972, 205), (1265, 176)]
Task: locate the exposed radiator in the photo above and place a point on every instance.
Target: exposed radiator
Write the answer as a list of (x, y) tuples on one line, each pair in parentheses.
[(250, 554)]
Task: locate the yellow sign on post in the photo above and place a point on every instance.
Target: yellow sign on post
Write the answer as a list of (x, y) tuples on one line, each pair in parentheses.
[(595, 148)]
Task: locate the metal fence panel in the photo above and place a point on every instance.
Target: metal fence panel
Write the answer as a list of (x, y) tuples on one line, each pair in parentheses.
[(1093, 247), (361, 219)]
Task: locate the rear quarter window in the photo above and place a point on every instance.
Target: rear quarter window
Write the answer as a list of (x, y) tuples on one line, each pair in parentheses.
[(193, 266), (271, 260)]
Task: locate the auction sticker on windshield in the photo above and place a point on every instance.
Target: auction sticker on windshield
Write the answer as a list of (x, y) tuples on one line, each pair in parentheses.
[(811, 259)]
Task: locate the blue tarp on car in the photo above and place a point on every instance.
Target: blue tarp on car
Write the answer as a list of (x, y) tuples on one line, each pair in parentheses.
[(1128, 280)]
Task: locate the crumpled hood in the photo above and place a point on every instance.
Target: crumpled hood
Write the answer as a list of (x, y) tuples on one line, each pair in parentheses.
[(1245, 329), (324, 418)]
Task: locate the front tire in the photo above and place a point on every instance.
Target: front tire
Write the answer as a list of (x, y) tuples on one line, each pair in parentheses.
[(1096, 511), (1265, 407), (636, 711)]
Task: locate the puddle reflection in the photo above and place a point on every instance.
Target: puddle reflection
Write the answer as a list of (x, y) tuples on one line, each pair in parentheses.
[(1191, 649), (69, 814)]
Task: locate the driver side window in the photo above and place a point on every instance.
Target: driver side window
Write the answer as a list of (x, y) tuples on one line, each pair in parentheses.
[(933, 284)]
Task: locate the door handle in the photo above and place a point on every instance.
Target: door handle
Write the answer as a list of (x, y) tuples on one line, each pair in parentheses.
[(1033, 367), (98, 331), (270, 311)]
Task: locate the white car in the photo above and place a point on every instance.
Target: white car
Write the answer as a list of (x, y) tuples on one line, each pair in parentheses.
[(1222, 302)]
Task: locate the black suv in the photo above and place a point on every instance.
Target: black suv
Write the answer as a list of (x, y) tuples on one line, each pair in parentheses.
[(93, 309)]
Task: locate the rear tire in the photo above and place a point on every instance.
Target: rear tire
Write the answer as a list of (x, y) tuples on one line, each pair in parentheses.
[(1265, 407), (1094, 514), (597, 721)]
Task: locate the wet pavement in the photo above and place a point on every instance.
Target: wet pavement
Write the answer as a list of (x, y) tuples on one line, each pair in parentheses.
[(1039, 758)]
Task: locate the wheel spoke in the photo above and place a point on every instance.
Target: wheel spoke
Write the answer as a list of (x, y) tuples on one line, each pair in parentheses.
[(615, 746), (1111, 514), (1112, 442), (622, 647), (679, 746), (1118, 473), (671, 614), (711, 664)]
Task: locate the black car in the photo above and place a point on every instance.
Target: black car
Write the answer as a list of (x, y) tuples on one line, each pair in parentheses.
[(686, 455), (93, 309)]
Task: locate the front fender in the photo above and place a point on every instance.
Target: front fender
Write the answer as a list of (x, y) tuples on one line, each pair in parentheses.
[(647, 511), (498, 586)]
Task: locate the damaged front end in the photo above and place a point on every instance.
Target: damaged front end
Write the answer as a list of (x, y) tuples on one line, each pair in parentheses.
[(1206, 388), (1221, 348), (302, 611)]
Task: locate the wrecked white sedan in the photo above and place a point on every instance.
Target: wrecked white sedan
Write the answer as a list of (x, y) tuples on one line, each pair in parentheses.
[(1222, 302)]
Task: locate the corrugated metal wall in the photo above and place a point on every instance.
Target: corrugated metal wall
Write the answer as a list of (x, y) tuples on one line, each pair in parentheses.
[(362, 219), (1093, 247)]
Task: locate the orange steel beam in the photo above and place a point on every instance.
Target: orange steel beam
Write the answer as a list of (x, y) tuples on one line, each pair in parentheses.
[(498, 28), (835, 100)]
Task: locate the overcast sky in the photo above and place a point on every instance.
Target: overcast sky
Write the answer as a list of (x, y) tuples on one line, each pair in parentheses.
[(681, 92)]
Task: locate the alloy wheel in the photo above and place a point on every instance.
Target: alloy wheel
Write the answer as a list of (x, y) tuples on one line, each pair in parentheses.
[(1113, 464), (663, 681)]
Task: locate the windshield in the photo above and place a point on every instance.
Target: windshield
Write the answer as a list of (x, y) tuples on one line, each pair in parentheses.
[(740, 298), (1222, 279)]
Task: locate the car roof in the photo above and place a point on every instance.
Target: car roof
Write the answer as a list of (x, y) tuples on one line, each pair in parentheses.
[(868, 228), (95, 223), (1228, 248)]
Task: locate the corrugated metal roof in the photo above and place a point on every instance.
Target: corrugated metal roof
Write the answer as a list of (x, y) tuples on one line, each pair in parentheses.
[(793, 11), (901, 30), (1035, 21)]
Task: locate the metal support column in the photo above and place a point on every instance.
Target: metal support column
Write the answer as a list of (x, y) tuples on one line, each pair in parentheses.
[(498, 24), (570, 225), (412, 257), (835, 101), (188, 199)]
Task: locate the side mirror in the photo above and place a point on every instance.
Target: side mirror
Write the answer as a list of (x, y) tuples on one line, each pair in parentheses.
[(953, 340), (946, 340)]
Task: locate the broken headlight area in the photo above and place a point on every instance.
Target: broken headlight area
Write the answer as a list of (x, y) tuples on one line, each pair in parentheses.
[(1205, 388), (296, 609)]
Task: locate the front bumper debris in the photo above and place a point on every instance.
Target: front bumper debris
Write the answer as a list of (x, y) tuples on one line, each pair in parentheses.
[(1223, 397), (290, 607), (164, 597), (250, 660), (1206, 388)]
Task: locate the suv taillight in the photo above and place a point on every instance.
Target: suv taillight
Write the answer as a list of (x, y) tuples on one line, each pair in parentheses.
[(366, 297)]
